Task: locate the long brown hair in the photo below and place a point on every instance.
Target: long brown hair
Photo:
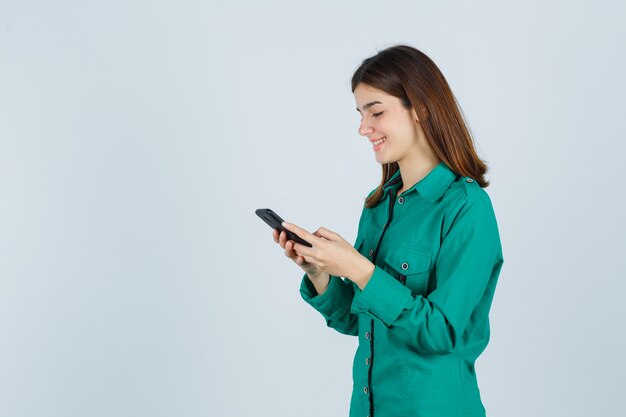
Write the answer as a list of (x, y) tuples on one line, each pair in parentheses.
[(407, 73)]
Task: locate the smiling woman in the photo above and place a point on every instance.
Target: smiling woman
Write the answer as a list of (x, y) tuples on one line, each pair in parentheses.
[(408, 103), (421, 275)]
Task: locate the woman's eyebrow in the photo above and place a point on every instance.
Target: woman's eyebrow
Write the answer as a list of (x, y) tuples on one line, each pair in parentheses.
[(368, 105)]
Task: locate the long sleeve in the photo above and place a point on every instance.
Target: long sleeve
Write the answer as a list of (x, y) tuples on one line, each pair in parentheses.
[(466, 272), (334, 304)]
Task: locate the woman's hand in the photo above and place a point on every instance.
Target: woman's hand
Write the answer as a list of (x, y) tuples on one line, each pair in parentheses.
[(332, 254), (281, 238)]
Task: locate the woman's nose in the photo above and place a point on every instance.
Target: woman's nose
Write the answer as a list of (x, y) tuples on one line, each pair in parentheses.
[(364, 129)]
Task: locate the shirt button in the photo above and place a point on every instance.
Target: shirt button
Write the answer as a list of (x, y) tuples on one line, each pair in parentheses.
[(469, 180), (367, 335), (365, 390), (405, 266), (367, 361), (401, 200), (371, 252)]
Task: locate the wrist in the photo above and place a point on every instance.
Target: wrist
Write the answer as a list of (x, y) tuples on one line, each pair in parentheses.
[(318, 276), (320, 282), (363, 272)]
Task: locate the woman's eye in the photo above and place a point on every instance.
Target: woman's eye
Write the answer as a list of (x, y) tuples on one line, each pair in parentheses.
[(377, 114)]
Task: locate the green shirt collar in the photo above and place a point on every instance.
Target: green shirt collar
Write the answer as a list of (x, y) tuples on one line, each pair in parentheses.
[(431, 187)]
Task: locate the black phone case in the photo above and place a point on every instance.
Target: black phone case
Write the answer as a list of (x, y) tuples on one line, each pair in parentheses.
[(275, 222)]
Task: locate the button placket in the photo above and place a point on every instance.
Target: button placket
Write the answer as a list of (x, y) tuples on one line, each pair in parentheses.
[(370, 334)]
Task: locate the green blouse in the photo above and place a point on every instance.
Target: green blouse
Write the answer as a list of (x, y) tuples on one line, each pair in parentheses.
[(423, 317)]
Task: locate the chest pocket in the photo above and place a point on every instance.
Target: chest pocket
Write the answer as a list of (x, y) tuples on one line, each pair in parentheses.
[(411, 267)]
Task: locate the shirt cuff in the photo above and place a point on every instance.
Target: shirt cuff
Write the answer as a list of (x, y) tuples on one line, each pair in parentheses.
[(332, 303), (382, 298)]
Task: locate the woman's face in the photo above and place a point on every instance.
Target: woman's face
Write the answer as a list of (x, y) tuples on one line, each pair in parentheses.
[(386, 118)]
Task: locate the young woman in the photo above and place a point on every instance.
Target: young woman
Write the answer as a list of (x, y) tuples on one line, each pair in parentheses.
[(421, 275)]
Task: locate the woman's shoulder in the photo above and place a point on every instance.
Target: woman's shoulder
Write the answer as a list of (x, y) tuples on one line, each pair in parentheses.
[(466, 191), (469, 211), (465, 198)]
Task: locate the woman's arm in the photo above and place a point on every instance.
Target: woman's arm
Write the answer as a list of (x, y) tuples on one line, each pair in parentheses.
[(334, 303), (466, 272)]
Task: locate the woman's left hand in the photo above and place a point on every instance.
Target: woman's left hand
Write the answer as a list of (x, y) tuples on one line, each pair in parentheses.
[(332, 254)]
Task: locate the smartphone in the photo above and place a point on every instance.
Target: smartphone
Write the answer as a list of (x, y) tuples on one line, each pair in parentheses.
[(275, 222)]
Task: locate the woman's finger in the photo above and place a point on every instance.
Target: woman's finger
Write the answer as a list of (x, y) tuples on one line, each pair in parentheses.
[(290, 251), (302, 233)]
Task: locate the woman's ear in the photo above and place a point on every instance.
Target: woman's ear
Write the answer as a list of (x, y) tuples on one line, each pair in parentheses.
[(414, 115)]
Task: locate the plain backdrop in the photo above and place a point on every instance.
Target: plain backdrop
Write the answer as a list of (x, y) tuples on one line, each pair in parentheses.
[(138, 137)]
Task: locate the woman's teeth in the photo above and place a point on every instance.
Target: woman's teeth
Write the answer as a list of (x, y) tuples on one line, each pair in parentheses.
[(378, 142)]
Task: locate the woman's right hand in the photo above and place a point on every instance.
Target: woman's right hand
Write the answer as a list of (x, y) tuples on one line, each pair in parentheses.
[(308, 267)]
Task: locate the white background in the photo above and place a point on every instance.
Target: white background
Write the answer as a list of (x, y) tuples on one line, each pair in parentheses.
[(138, 137)]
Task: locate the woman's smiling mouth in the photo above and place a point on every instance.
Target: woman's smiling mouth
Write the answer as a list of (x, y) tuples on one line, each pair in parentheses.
[(379, 143)]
